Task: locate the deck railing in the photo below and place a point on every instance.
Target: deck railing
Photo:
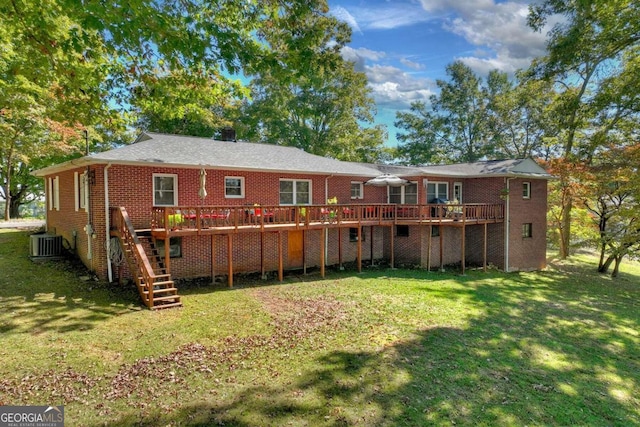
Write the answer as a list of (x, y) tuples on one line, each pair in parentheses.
[(234, 217)]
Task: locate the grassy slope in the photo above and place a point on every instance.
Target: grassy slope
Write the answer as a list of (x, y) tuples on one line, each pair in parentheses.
[(380, 348)]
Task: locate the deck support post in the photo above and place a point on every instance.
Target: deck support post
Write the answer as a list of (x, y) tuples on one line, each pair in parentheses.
[(322, 246), (340, 248), (393, 250), (280, 260), (462, 245), (304, 251), (167, 254), (359, 249), (371, 243), (484, 250), (441, 249), (230, 258), (262, 266), (429, 247), (213, 259)]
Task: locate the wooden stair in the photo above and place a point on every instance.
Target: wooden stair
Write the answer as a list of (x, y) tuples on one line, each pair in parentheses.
[(154, 283)]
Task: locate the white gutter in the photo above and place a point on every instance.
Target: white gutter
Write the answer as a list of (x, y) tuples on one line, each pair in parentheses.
[(108, 221), (507, 222)]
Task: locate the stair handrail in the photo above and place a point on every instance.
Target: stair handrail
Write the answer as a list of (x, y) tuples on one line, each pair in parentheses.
[(127, 232)]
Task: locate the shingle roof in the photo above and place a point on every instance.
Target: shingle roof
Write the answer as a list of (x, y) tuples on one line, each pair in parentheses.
[(188, 151), (196, 152), (515, 167)]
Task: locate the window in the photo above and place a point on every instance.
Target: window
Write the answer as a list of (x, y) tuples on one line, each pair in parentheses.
[(165, 189), (353, 234), (81, 187), (435, 231), (295, 192), (526, 190), (234, 187), (402, 230), (83, 193), (54, 193), (457, 191), (527, 230), (407, 194), (438, 190), (357, 190), (175, 247)]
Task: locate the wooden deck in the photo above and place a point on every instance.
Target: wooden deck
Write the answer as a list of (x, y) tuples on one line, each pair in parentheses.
[(197, 220), (152, 270)]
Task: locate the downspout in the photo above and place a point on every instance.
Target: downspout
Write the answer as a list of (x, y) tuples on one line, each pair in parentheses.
[(507, 222), (108, 221), (89, 227), (326, 230)]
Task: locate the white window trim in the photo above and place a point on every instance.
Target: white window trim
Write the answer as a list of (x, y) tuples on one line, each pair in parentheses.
[(403, 194), (361, 185), (175, 187), (50, 193), (84, 191), (54, 193), (242, 194), (76, 191), (295, 201), (426, 189), (457, 184), (528, 186)]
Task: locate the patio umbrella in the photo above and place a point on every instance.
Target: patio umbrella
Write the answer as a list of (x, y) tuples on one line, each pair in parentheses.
[(202, 192), (387, 179)]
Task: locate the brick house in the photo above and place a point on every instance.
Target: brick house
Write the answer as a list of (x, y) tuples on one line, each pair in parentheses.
[(172, 206)]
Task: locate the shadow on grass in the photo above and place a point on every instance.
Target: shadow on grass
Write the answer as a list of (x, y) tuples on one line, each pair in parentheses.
[(46, 296), (558, 353)]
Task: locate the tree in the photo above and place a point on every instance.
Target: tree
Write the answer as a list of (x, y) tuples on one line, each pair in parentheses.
[(613, 198), (592, 54), (519, 119), (86, 66), (453, 127), (312, 98)]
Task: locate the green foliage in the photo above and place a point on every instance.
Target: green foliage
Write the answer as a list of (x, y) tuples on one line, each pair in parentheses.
[(311, 98), (592, 54), (453, 127), (68, 67)]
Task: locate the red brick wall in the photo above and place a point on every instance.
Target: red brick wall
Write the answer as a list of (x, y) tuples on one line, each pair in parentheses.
[(67, 221), (132, 187), (528, 253)]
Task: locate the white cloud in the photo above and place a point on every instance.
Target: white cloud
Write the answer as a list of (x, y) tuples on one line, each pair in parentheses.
[(393, 87), (360, 55), (343, 15), (387, 17), (500, 27), (415, 65)]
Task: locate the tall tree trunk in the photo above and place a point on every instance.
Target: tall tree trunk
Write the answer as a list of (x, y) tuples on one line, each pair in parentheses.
[(565, 227), (7, 205), (14, 209), (616, 267), (606, 265)]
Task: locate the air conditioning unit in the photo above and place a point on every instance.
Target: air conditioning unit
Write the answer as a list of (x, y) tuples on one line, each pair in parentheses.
[(44, 245)]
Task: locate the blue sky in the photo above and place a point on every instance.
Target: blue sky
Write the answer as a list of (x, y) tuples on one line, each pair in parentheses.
[(403, 46)]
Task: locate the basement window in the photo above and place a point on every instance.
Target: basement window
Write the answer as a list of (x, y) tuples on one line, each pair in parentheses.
[(353, 234), (175, 247), (402, 230)]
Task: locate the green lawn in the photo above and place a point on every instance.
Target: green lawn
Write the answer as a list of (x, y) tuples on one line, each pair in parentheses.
[(385, 347)]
